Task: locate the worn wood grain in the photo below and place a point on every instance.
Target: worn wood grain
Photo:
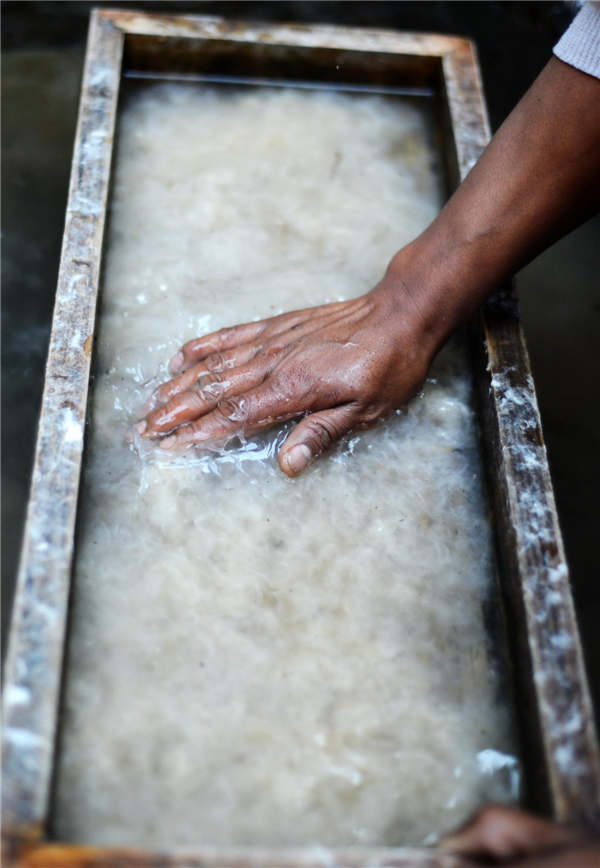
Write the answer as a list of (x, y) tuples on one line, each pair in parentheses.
[(362, 39), (558, 725), (35, 650), (217, 46), (549, 671), (65, 856)]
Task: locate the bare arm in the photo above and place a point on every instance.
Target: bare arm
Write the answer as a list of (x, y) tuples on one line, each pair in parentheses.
[(516, 839), (538, 178), (349, 363)]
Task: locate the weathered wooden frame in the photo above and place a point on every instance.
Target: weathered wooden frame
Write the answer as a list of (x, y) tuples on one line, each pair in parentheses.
[(558, 732)]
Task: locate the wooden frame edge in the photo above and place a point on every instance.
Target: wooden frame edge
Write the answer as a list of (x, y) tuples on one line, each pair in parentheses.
[(536, 582), (307, 36), (36, 642), (73, 856)]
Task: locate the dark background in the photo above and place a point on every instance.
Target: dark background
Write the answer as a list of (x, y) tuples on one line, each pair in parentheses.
[(43, 49)]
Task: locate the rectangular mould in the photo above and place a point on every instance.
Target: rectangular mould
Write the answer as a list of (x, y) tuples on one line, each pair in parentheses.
[(559, 744)]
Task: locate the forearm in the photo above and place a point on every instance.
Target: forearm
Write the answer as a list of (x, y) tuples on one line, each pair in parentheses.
[(538, 178)]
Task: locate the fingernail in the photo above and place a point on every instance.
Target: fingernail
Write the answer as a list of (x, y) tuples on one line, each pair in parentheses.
[(297, 458), (176, 362), (168, 442), (141, 426)]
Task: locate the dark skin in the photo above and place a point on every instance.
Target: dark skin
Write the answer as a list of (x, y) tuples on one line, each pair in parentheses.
[(499, 835), (343, 366)]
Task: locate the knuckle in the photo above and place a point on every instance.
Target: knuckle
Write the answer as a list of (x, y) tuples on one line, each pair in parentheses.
[(215, 362), (320, 432), (210, 387), (211, 379), (195, 402), (234, 410)]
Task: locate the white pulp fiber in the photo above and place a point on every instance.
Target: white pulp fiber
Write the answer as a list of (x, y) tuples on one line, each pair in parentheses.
[(255, 659)]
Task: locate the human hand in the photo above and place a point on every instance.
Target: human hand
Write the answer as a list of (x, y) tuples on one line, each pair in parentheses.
[(344, 364), (348, 364), (507, 836)]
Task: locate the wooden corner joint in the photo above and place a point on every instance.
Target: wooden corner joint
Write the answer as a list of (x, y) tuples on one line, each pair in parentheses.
[(20, 852)]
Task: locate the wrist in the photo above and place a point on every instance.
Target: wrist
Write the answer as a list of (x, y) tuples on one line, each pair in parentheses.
[(408, 307), (446, 278), (415, 280)]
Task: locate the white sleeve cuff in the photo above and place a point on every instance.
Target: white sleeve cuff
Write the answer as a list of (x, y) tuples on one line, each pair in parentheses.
[(580, 43)]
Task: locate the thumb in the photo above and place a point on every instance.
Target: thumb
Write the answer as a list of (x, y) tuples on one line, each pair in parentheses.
[(313, 435)]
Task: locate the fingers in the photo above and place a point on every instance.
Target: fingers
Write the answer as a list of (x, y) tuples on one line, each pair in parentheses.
[(203, 395), (215, 363), (177, 385), (258, 408), (216, 342), (313, 435), (239, 393), (502, 833), (198, 349)]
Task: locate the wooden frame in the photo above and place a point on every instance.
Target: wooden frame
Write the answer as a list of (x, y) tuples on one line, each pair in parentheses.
[(557, 728)]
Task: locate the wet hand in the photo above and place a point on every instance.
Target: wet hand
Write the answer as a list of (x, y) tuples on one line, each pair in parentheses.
[(339, 366), (507, 836)]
